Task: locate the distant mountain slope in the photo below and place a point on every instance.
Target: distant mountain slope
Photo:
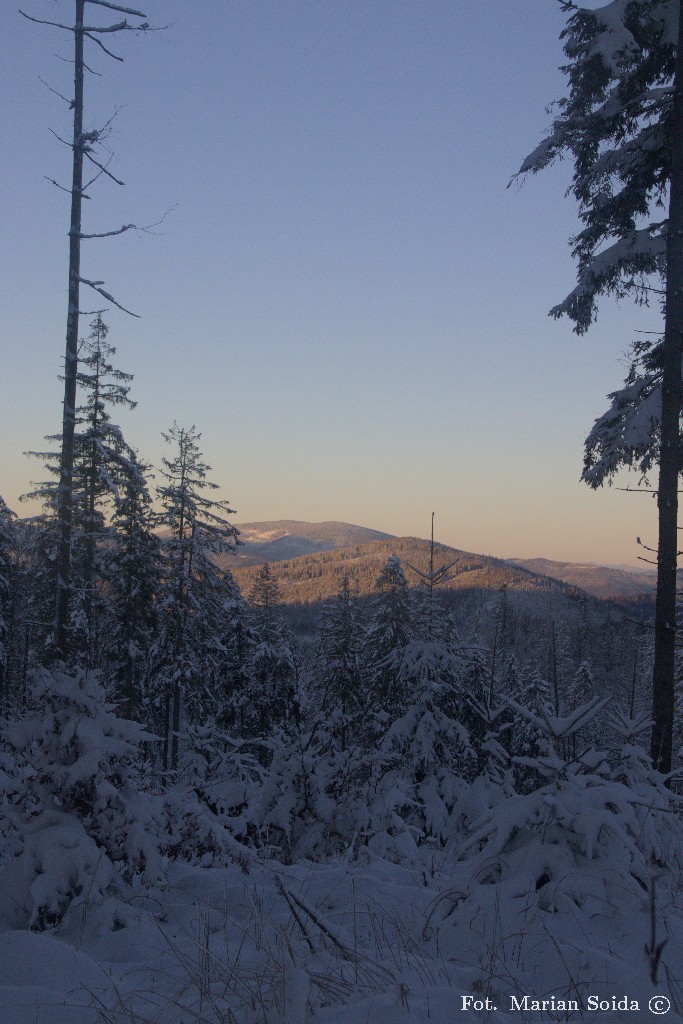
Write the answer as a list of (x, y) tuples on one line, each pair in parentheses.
[(290, 538), (599, 580), (316, 577)]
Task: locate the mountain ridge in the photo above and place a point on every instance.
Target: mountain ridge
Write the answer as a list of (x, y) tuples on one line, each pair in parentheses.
[(316, 577), (282, 540), (279, 540)]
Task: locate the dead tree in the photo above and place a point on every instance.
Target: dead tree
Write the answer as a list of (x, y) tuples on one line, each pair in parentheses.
[(84, 145), (431, 579)]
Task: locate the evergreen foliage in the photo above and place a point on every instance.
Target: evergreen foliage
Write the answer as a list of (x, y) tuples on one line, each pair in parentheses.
[(191, 600), (7, 555), (132, 573), (101, 464), (72, 795), (340, 663), (615, 124)]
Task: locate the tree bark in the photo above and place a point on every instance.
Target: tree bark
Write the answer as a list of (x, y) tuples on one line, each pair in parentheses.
[(670, 456), (65, 492)]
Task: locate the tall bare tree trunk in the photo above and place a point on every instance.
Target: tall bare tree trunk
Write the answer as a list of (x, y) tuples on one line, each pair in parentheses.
[(670, 458), (65, 493)]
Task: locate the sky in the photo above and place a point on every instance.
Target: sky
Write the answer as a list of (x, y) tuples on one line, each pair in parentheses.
[(343, 295)]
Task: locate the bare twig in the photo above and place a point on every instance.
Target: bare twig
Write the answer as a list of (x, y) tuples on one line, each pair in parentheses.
[(57, 185), (103, 47), (70, 103), (41, 21), (103, 168)]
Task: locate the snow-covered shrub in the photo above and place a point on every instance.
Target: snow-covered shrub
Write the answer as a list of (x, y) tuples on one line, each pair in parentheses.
[(213, 805), (422, 756), (572, 859), (313, 801), (70, 791)]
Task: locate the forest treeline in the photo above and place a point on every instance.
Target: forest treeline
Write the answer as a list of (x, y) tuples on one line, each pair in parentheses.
[(195, 719)]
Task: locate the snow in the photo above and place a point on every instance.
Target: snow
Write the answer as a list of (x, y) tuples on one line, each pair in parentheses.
[(615, 43), (637, 251), (45, 980), (368, 941)]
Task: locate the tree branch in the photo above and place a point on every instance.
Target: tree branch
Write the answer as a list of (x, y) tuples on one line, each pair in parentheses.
[(68, 145), (102, 168), (67, 101), (101, 44), (121, 26), (95, 285), (116, 7), (41, 21), (147, 229), (107, 234), (57, 185)]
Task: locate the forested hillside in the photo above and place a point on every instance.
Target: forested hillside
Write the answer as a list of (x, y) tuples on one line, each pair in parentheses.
[(317, 577)]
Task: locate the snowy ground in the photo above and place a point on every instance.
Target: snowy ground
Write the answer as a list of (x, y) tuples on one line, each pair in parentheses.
[(337, 944)]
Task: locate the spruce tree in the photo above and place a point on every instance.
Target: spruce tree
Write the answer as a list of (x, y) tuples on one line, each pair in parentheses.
[(339, 660), (238, 640), (101, 462), (389, 632), (581, 692), (269, 699), (133, 577), (191, 597), (529, 741), (622, 124), (7, 549)]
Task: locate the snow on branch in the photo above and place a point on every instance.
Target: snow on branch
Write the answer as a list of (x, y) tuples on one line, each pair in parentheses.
[(117, 7), (146, 229), (106, 234), (638, 253), (96, 286), (121, 26), (565, 726)]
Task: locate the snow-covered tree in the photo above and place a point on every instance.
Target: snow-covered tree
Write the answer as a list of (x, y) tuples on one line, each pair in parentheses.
[(339, 664), (528, 740), (390, 630), (101, 465), (238, 640), (132, 573), (424, 753), (191, 599), (71, 794), (581, 692), (269, 699), (101, 461), (622, 124), (7, 546)]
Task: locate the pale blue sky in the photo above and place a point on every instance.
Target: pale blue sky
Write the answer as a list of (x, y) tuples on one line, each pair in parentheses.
[(345, 298)]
